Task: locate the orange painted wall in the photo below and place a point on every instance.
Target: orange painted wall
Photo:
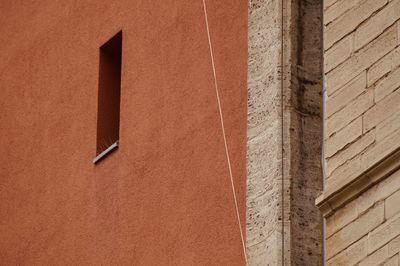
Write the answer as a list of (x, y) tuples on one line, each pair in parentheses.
[(164, 197)]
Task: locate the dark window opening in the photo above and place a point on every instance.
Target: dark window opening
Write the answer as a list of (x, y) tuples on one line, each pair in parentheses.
[(108, 108)]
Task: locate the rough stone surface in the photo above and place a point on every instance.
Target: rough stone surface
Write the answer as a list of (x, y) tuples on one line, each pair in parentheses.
[(349, 152), (337, 101), (339, 52), (264, 143), (361, 60), (350, 20), (362, 71), (355, 230), (302, 132), (384, 233), (392, 205), (381, 239), (337, 9), (345, 136), (351, 255), (284, 115), (388, 63), (376, 24)]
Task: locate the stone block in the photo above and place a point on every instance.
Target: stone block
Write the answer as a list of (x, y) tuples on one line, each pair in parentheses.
[(398, 32), (384, 233), (387, 85), (375, 258), (350, 152), (349, 113), (338, 53), (393, 261), (380, 150), (361, 60), (388, 186), (367, 199), (348, 170), (355, 230), (346, 94), (345, 136), (350, 20), (376, 24), (382, 110), (387, 127), (394, 246), (328, 3), (388, 63), (352, 255), (341, 218), (392, 205), (337, 9)]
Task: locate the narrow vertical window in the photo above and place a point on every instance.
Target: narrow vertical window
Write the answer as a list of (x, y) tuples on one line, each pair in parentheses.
[(108, 107)]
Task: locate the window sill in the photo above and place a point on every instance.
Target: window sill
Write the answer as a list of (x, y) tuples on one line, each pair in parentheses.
[(104, 153)]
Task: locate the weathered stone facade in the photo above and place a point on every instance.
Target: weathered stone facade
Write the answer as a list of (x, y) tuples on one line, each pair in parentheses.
[(264, 145), (284, 133), (361, 197)]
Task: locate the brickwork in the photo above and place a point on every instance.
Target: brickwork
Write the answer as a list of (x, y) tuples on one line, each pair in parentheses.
[(362, 132)]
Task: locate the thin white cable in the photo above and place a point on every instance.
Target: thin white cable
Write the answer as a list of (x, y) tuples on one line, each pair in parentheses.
[(223, 132)]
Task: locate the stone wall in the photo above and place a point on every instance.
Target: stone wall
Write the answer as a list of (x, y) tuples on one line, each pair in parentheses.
[(284, 173), (302, 132), (264, 134), (367, 229), (362, 131)]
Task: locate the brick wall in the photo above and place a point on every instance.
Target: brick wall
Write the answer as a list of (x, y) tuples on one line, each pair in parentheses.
[(362, 131)]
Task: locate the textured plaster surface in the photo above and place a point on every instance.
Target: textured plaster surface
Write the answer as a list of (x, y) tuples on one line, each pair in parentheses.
[(164, 197)]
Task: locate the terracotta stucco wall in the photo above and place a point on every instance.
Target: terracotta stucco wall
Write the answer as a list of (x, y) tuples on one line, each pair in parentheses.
[(362, 122), (164, 197)]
